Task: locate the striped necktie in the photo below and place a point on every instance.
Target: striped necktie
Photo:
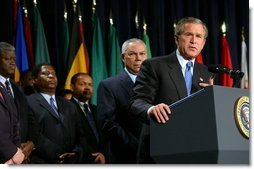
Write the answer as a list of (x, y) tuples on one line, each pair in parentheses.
[(91, 121), (53, 106), (7, 85)]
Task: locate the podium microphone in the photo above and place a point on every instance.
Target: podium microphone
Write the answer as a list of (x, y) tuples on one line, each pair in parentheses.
[(224, 69)]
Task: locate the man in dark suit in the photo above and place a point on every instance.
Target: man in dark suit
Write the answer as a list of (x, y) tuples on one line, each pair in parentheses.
[(161, 80), (120, 129), (58, 141), (10, 153), (82, 87), (26, 123)]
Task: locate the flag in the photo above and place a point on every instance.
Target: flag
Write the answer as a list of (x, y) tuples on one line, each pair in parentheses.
[(21, 53), (226, 61), (28, 39), (115, 64), (15, 17), (41, 47), (98, 62), (78, 57), (65, 43), (145, 38), (244, 66), (199, 58)]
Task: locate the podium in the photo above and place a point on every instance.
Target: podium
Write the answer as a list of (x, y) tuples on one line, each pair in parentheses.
[(202, 130)]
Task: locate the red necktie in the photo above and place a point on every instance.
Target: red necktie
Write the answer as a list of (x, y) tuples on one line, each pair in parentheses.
[(1, 96)]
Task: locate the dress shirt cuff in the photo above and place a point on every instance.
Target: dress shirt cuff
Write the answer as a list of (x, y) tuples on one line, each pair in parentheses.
[(149, 111)]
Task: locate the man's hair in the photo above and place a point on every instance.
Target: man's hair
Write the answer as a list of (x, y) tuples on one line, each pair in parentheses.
[(24, 73), (127, 42), (6, 47), (179, 29), (37, 69), (75, 77)]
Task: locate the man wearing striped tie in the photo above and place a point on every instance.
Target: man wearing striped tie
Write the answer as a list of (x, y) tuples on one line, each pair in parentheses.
[(59, 137), (26, 125), (82, 87)]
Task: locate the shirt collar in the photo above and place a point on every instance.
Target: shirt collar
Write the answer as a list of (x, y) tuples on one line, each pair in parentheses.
[(3, 79), (132, 76), (181, 59), (79, 102), (47, 97)]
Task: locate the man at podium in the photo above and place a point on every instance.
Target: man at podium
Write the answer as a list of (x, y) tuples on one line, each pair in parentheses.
[(167, 79)]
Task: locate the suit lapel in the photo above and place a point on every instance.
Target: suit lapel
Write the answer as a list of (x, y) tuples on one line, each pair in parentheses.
[(7, 101), (2, 100), (176, 75), (196, 78), (126, 83), (43, 102), (61, 109), (84, 120)]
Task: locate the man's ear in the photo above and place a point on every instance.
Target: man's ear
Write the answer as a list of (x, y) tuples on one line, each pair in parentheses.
[(72, 86), (176, 39), (122, 55), (35, 80)]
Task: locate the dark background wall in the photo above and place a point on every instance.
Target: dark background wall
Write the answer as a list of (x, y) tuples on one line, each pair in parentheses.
[(160, 16)]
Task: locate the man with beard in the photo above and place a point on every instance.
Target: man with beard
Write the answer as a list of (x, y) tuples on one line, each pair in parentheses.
[(82, 86)]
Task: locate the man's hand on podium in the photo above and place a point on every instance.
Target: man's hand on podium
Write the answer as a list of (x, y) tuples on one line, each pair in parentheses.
[(160, 113)]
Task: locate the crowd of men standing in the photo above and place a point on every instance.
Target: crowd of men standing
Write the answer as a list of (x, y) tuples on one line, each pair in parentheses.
[(39, 127)]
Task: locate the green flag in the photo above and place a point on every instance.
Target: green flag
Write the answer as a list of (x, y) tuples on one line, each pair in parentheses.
[(98, 63), (41, 47), (145, 38), (115, 64)]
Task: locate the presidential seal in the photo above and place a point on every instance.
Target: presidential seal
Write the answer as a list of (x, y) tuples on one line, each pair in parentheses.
[(242, 115)]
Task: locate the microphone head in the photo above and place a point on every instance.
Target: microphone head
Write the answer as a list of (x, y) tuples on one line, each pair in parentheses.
[(213, 68), (218, 68)]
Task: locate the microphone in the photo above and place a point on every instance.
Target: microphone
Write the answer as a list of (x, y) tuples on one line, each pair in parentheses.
[(224, 69)]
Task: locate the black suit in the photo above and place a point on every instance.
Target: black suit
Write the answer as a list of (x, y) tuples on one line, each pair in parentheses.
[(160, 80), (28, 128), (58, 135), (91, 144), (9, 136), (120, 129)]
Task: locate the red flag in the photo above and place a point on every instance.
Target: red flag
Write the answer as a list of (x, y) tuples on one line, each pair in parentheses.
[(199, 58), (15, 15), (226, 61), (28, 39)]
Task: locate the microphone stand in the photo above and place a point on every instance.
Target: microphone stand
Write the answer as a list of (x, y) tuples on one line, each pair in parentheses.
[(237, 77)]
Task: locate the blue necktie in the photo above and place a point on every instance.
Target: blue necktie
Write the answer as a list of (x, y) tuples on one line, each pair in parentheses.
[(91, 121), (53, 106), (188, 77)]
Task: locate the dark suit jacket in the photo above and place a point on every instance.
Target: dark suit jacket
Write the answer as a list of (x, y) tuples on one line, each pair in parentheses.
[(91, 144), (58, 135), (160, 80), (9, 136), (28, 128), (94, 146), (119, 128)]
